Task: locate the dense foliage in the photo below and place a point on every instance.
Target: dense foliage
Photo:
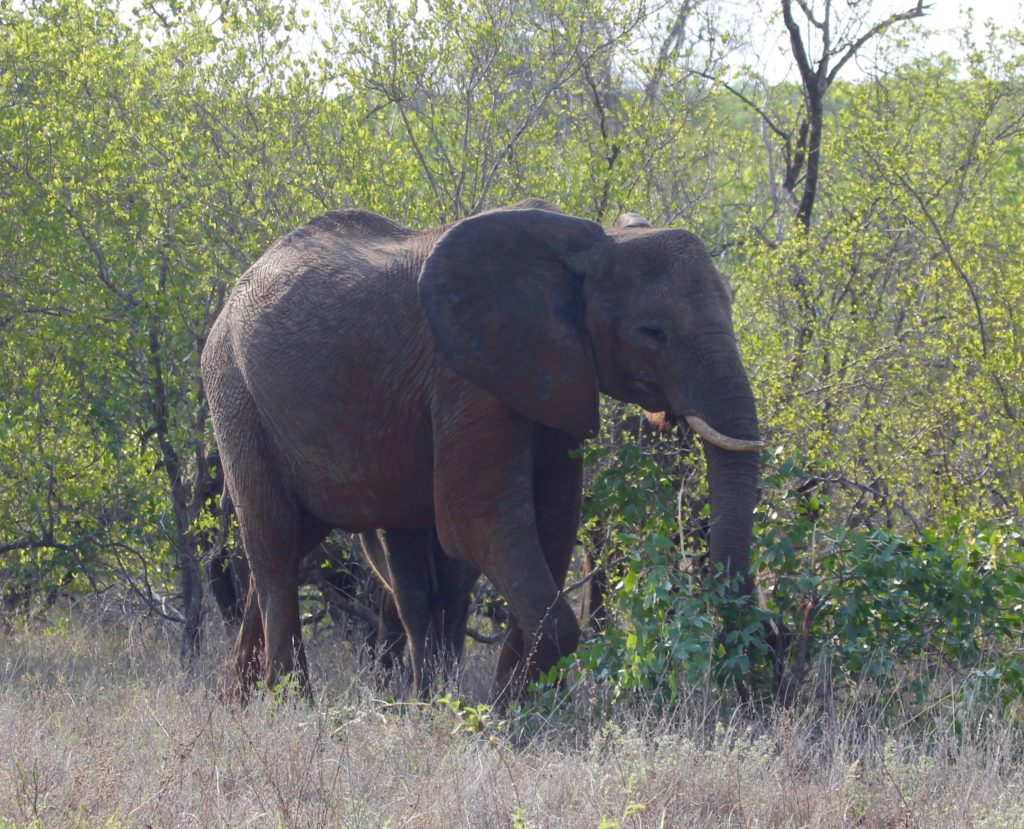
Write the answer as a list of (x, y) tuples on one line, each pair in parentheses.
[(148, 155)]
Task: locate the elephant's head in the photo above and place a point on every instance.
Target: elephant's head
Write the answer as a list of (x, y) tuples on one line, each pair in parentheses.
[(544, 310)]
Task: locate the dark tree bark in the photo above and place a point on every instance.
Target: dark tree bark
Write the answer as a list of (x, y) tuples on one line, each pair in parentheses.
[(803, 157), (185, 507), (186, 496)]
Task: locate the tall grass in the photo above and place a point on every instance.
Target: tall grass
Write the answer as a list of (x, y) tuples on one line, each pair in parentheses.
[(99, 727)]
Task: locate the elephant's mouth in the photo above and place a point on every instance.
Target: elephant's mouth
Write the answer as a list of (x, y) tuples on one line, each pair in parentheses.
[(645, 391), (716, 438)]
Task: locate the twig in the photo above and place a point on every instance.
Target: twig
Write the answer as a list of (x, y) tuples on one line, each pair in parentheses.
[(336, 598), (607, 565)]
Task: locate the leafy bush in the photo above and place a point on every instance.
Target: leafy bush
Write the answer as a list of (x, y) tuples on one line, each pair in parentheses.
[(902, 619), (665, 611), (889, 613)]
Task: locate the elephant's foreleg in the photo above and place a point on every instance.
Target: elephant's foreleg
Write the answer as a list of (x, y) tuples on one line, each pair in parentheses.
[(557, 498), (484, 503), (557, 488)]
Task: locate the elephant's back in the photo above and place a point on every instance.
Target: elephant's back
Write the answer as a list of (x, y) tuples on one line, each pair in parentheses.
[(352, 270), (344, 245)]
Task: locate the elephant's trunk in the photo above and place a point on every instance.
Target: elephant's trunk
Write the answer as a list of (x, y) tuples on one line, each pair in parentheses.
[(730, 445), (732, 483)]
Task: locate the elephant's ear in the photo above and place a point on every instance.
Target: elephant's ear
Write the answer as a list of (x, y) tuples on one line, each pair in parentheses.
[(507, 311)]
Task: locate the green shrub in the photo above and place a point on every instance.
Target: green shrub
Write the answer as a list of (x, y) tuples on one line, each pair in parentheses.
[(903, 619)]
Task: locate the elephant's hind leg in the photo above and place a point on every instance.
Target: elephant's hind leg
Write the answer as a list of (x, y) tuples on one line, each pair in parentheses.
[(276, 533), (456, 578), (276, 538), (408, 552), (248, 651), (390, 636), (276, 530)]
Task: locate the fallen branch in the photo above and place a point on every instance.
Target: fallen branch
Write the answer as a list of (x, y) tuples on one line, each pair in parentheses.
[(485, 638)]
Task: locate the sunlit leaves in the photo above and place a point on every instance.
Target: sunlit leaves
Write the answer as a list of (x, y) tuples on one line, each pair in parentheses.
[(147, 158), (887, 342)]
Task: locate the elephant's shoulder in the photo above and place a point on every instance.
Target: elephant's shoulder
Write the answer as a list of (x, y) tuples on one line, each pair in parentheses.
[(359, 224)]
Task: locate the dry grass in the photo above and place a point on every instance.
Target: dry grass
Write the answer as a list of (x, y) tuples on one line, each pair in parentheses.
[(98, 727)]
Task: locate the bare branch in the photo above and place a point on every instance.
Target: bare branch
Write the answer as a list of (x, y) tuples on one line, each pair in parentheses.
[(669, 48), (607, 565), (954, 263), (338, 600), (434, 188), (484, 638), (765, 117), (983, 334), (881, 495), (156, 604), (810, 15), (102, 268), (34, 544), (918, 11)]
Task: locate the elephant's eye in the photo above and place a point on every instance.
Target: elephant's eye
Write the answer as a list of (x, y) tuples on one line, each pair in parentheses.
[(653, 333)]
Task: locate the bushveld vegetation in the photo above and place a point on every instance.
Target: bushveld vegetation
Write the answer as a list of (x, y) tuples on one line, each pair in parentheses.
[(869, 226)]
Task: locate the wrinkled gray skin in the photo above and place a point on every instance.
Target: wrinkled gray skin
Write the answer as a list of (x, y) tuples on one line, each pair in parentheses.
[(429, 594), (365, 375)]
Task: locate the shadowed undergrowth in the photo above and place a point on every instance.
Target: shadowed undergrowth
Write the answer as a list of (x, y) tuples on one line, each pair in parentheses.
[(98, 727)]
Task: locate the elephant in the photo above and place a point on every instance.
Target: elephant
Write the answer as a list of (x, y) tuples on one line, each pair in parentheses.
[(426, 602), (363, 374)]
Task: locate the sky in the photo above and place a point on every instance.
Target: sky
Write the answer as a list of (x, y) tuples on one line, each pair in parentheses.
[(768, 44), (947, 14), (767, 48)]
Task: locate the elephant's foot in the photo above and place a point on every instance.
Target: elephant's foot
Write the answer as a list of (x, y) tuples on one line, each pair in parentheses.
[(244, 676), (518, 666)]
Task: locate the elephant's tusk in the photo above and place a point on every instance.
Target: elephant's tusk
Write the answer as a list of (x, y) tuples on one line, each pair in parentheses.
[(722, 441)]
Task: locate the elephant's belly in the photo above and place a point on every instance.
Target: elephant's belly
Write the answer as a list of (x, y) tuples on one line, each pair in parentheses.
[(363, 475)]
